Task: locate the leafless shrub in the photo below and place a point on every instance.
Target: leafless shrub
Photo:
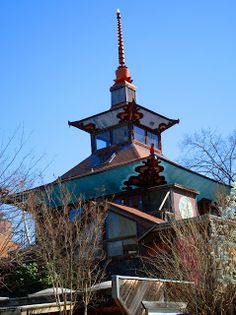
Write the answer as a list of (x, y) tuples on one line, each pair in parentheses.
[(200, 250), (69, 243), (18, 172)]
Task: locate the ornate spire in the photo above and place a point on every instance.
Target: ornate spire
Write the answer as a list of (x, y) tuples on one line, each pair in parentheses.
[(121, 50), (122, 72)]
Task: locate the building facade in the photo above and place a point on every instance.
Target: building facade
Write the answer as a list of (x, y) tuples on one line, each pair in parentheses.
[(144, 189)]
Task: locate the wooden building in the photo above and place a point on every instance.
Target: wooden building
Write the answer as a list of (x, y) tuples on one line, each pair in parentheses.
[(145, 189), (128, 167)]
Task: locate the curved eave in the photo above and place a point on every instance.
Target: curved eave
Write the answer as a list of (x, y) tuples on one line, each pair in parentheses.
[(111, 181), (110, 118)]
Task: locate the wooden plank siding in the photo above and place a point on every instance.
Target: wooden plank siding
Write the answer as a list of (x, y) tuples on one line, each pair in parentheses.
[(129, 292)]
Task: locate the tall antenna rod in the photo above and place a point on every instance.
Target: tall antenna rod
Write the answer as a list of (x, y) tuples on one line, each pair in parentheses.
[(121, 50), (122, 91), (122, 72)]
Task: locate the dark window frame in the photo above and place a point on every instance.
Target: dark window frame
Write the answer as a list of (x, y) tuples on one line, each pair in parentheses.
[(146, 137), (110, 130), (108, 143), (133, 237), (122, 239)]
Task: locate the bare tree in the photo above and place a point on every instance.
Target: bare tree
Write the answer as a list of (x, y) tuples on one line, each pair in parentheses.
[(201, 250), (211, 154), (69, 244), (17, 164), (17, 173)]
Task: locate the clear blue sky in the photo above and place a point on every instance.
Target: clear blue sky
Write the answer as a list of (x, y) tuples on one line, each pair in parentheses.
[(57, 62)]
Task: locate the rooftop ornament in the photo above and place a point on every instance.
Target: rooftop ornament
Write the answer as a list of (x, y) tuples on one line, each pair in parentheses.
[(122, 72)]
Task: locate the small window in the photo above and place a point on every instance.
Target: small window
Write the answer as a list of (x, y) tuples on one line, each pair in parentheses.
[(114, 248), (118, 226), (120, 135), (130, 246), (139, 134), (120, 235), (152, 138), (103, 140), (122, 247), (134, 202)]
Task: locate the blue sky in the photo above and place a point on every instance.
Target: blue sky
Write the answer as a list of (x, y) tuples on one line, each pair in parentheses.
[(58, 58)]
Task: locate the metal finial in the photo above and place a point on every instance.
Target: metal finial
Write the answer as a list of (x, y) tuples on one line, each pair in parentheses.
[(121, 51)]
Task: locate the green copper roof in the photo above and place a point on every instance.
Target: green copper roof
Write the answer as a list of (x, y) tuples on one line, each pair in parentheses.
[(112, 180), (206, 187)]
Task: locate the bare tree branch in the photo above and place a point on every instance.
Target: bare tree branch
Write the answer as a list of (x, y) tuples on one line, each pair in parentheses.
[(210, 154), (201, 250), (70, 244), (17, 173)]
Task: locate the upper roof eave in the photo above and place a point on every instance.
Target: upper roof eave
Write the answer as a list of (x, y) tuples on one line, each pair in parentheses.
[(82, 124)]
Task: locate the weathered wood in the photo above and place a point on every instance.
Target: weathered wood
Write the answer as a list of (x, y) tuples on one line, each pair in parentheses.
[(131, 292)]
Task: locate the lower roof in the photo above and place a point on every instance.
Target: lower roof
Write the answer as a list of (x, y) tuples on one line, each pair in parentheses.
[(111, 180), (107, 158), (136, 212)]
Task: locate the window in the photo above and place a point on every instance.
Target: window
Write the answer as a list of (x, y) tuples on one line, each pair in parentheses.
[(118, 226), (114, 248), (134, 202), (139, 134), (129, 246), (153, 200), (145, 137), (120, 135), (103, 140), (121, 235), (152, 138), (122, 247), (112, 137)]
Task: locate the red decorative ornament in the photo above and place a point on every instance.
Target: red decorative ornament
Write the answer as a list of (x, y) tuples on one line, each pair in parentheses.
[(131, 113), (149, 174), (152, 151)]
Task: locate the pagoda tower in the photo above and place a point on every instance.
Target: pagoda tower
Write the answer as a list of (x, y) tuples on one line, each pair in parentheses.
[(143, 189), (126, 122), (127, 164)]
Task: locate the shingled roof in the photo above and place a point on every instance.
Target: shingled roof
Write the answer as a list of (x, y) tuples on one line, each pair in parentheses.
[(107, 158), (137, 213)]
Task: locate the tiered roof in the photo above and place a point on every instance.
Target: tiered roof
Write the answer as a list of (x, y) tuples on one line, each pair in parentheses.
[(115, 116)]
